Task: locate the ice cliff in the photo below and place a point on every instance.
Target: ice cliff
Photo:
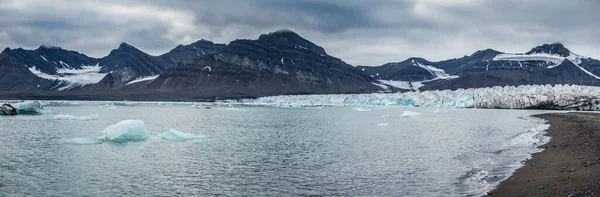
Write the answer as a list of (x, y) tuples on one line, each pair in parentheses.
[(561, 97)]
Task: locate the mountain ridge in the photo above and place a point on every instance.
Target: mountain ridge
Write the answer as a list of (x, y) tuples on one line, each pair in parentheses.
[(280, 62)]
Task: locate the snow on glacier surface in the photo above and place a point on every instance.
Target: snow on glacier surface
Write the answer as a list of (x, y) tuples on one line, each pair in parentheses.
[(72, 117), (73, 77), (175, 135), (510, 97)]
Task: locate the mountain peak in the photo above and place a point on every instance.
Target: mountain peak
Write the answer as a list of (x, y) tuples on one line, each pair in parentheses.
[(124, 45), (292, 39), (280, 34), (485, 52), (48, 47), (554, 48)]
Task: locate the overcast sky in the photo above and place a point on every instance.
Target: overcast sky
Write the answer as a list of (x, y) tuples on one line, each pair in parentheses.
[(360, 32)]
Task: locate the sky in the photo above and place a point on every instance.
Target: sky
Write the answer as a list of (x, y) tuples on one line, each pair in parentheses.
[(360, 32)]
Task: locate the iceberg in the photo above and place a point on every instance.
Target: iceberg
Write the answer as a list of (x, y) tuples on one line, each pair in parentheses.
[(126, 130), (71, 117), (557, 97), (28, 107), (174, 135), (382, 124), (131, 130), (410, 114)]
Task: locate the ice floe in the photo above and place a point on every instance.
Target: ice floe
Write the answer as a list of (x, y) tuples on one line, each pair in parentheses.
[(175, 135), (72, 117), (410, 114)]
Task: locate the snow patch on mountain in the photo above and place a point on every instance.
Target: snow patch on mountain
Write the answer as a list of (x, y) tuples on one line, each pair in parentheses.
[(71, 78), (438, 73), (415, 85), (143, 79), (553, 59), (546, 57)]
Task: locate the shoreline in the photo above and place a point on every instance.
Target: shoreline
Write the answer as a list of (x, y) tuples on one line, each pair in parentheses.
[(567, 165)]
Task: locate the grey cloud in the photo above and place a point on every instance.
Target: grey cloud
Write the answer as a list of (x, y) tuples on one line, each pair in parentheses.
[(359, 32)]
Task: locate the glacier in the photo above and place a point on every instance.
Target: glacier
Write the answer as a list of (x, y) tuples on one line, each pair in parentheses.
[(174, 135), (72, 117), (72, 78), (555, 97)]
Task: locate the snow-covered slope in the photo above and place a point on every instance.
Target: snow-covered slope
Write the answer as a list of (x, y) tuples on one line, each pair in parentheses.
[(529, 96), (143, 79), (553, 60), (439, 74), (70, 78)]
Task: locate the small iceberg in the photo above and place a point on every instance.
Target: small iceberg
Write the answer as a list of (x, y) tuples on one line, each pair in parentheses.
[(82, 118), (131, 130), (175, 135), (28, 107), (382, 124), (126, 130), (410, 114)]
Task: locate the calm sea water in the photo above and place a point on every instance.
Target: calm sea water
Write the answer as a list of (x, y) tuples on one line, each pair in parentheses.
[(263, 151)]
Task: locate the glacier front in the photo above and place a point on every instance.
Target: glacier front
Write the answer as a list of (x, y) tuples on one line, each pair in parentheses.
[(558, 97)]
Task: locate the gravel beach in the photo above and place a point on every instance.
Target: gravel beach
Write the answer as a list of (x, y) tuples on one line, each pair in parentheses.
[(568, 166)]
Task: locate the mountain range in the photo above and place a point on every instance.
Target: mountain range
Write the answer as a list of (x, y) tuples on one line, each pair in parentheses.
[(276, 63)]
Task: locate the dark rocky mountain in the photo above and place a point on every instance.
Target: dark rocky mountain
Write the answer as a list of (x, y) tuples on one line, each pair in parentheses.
[(406, 70), (277, 63), (126, 64), (545, 64), (281, 62), (17, 67), (185, 53), (555, 48)]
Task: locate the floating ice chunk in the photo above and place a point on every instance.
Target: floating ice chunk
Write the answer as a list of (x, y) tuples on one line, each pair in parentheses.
[(410, 114), (71, 117), (126, 130), (382, 124), (175, 135), (385, 116), (232, 109), (314, 107), (28, 107), (84, 140), (361, 109)]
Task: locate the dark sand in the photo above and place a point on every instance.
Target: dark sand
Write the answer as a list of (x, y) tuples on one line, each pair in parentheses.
[(569, 164)]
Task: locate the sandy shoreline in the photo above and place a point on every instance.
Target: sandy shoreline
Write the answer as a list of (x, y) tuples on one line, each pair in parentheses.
[(568, 165)]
